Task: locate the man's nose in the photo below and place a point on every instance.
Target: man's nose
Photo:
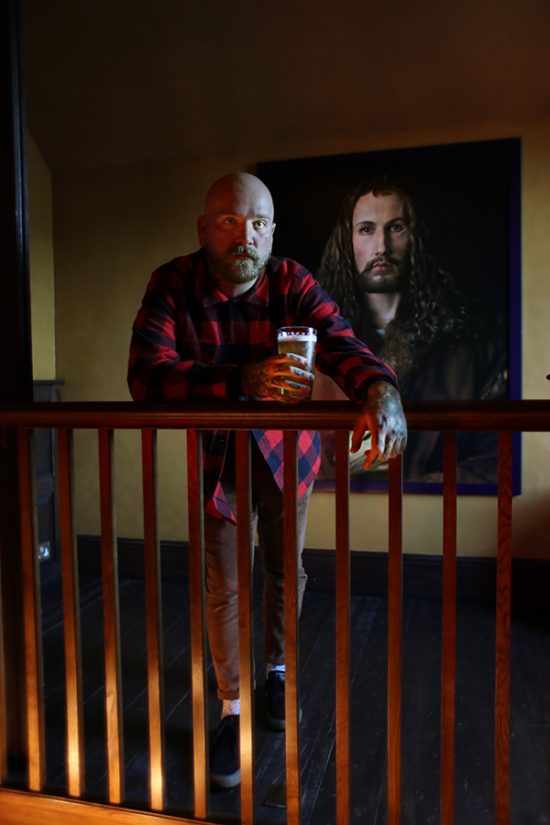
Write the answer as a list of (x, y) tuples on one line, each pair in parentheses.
[(381, 242), (246, 233)]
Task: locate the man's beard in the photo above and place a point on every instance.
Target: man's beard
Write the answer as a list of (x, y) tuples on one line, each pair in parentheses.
[(392, 280), (241, 270)]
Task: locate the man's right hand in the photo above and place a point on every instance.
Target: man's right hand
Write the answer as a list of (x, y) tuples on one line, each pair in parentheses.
[(280, 377)]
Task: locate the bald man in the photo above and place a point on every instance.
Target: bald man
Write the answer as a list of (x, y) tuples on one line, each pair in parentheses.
[(207, 330)]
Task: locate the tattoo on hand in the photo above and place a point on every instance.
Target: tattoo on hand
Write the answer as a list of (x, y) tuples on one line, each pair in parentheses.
[(255, 380)]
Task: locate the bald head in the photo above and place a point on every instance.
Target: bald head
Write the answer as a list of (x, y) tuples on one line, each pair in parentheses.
[(236, 230), (241, 188)]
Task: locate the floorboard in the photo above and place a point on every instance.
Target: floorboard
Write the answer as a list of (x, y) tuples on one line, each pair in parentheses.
[(530, 688)]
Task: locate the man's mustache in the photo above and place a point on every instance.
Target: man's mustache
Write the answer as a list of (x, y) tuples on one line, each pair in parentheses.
[(380, 259), (245, 250)]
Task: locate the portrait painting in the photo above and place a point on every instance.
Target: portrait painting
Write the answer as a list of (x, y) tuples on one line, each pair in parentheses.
[(420, 249)]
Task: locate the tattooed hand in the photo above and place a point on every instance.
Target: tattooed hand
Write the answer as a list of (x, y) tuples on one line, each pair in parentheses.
[(280, 377), (383, 416)]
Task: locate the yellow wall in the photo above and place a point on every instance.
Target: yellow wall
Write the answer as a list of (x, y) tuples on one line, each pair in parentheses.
[(114, 226), (41, 264)]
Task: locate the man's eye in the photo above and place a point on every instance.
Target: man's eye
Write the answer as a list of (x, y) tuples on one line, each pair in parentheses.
[(397, 227), (366, 229), (261, 224), (229, 220)]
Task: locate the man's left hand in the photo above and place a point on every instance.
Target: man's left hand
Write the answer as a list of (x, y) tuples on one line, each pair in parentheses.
[(383, 416)]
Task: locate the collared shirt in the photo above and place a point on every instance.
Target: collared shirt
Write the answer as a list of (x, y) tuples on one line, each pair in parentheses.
[(190, 340)]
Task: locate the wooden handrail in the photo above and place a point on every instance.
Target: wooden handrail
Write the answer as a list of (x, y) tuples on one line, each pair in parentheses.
[(476, 416)]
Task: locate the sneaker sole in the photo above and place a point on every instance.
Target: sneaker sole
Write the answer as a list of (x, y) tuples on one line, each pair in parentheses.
[(225, 780)]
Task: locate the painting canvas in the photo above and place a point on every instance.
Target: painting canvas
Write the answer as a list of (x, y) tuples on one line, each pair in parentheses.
[(440, 301)]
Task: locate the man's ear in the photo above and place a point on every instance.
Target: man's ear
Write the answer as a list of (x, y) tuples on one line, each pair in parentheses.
[(273, 225), (201, 229)]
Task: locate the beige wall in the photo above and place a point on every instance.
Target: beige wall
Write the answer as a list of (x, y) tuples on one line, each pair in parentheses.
[(113, 226), (41, 264)]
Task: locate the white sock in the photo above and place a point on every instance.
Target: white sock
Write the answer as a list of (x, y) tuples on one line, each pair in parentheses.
[(231, 707), (269, 668)]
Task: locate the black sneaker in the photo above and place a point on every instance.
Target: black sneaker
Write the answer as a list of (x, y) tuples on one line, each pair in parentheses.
[(225, 769), (275, 696)]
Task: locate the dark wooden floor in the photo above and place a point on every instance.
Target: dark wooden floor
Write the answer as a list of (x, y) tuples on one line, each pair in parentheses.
[(530, 754)]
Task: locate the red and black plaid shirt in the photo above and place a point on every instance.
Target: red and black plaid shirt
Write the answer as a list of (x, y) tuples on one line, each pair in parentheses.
[(189, 341)]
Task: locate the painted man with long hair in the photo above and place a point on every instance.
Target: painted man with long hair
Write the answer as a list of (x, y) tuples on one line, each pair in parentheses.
[(377, 267)]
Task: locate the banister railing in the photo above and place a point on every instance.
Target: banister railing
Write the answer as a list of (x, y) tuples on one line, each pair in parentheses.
[(474, 416), (504, 417)]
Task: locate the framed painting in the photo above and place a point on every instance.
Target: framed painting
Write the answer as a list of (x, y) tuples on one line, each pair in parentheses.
[(420, 248)]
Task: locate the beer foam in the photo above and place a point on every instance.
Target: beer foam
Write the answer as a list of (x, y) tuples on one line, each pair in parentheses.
[(296, 337)]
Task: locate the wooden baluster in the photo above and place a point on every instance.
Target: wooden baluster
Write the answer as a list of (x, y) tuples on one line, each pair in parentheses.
[(395, 588), (504, 590), (448, 640), (111, 628), (246, 652), (197, 618), (293, 793), (153, 610), (31, 619), (343, 621), (71, 615), (3, 705)]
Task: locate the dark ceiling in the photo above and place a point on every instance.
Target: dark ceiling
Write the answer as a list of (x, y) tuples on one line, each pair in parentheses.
[(125, 81)]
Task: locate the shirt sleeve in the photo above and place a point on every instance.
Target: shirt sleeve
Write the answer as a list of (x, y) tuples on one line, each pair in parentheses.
[(164, 360), (342, 356)]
